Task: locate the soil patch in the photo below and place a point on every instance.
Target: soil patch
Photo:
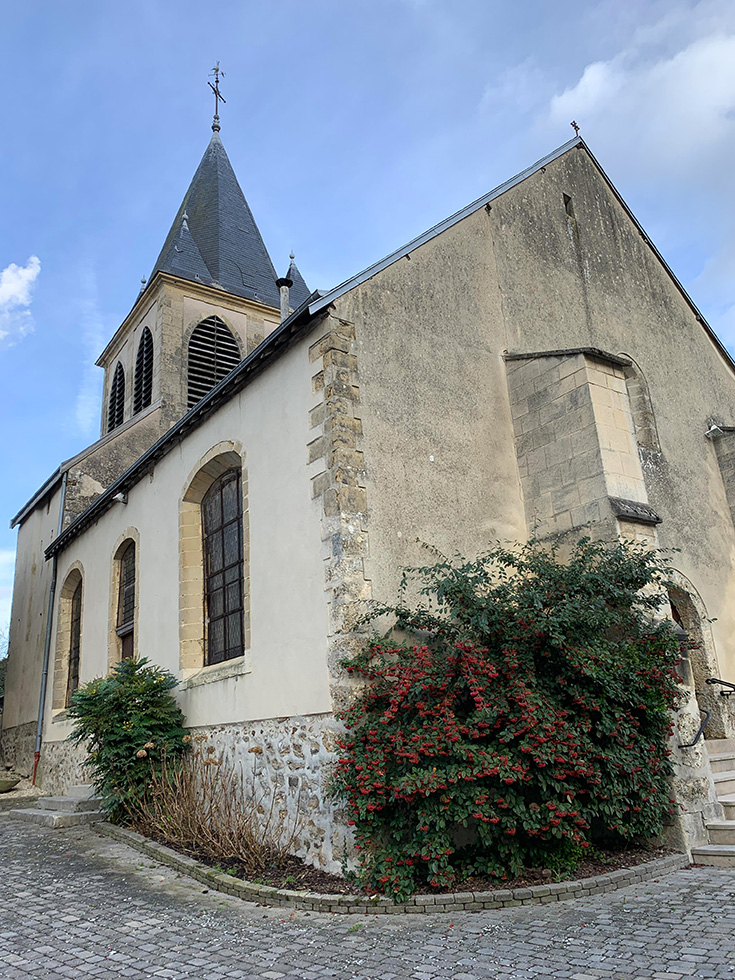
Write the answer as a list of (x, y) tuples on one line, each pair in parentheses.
[(293, 874)]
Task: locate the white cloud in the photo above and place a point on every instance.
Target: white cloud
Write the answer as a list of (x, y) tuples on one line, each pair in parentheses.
[(16, 284)]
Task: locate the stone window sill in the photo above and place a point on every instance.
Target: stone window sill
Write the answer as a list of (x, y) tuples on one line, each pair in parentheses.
[(217, 672), (59, 715)]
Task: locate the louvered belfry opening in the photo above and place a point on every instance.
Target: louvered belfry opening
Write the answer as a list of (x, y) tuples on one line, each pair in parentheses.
[(213, 353), (116, 404), (143, 382)]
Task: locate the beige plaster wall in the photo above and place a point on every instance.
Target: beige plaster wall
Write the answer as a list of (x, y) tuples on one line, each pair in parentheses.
[(531, 274), (284, 673), (28, 613)]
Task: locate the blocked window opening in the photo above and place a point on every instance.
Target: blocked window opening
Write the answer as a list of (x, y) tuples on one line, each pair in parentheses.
[(213, 353), (223, 568), (143, 381), (116, 403)]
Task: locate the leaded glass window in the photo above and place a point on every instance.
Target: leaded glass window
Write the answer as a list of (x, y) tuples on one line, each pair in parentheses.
[(223, 571), (126, 601), (75, 638)]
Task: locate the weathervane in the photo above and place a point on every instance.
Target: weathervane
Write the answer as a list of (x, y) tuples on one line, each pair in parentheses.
[(573, 124), (216, 71)]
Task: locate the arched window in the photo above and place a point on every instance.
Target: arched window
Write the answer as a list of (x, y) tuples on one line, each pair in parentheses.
[(223, 567), (126, 601), (143, 381), (116, 404), (213, 353), (75, 640), (68, 638)]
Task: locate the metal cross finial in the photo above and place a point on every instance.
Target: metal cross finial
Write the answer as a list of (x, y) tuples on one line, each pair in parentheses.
[(575, 127), (218, 97)]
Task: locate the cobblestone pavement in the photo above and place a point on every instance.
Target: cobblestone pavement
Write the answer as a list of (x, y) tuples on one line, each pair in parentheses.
[(74, 904)]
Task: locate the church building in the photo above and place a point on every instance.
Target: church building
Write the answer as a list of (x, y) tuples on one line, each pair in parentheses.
[(270, 459)]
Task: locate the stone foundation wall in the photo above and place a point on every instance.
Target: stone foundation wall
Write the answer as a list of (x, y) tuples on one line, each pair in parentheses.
[(61, 765), (288, 762), (18, 745)]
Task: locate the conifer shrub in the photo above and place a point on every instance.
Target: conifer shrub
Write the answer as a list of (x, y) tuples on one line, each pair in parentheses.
[(130, 725), (515, 716)]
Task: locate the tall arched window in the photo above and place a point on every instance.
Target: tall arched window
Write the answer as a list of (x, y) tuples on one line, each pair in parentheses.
[(143, 381), (75, 640), (126, 601), (223, 567), (213, 353), (116, 404)]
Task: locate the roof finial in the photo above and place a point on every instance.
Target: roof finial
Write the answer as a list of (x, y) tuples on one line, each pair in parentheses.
[(292, 256), (216, 71), (573, 124)]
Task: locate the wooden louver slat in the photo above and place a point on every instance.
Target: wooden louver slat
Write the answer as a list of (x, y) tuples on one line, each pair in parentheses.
[(143, 382), (213, 353), (116, 404)]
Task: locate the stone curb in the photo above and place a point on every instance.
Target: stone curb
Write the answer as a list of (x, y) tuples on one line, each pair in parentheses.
[(362, 905)]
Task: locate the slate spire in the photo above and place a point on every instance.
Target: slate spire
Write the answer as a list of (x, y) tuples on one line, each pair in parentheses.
[(214, 239), (300, 292)]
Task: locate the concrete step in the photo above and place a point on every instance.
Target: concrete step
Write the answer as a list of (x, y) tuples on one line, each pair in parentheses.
[(56, 818), (728, 808), (85, 791), (721, 832), (67, 804), (722, 761), (720, 744), (715, 855), (724, 783)]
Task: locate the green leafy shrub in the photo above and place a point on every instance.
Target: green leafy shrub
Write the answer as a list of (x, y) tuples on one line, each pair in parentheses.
[(129, 722), (526, 717)]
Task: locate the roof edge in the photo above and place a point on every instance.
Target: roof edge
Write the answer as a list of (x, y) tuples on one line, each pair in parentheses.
[(437, 229), (298, 323), (601, 355), (38, 495)]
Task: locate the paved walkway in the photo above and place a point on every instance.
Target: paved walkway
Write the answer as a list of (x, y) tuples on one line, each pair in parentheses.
[(73, 904)]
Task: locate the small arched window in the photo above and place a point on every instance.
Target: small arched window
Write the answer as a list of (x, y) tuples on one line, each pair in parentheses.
[(143, 381), (223, 567), (75, 642), (116, 404), (126, 601), (213, 353)]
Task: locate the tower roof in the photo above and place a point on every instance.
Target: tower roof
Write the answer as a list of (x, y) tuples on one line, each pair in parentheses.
[(300, 292), (214, 239)]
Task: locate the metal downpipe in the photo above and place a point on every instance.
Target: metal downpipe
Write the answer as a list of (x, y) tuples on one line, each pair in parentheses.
[(47, 642)]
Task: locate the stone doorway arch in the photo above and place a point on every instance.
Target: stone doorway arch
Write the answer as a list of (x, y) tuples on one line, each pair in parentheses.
[(688, 609)]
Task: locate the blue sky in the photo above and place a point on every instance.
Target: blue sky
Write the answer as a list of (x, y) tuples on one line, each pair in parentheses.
[(352, 127)]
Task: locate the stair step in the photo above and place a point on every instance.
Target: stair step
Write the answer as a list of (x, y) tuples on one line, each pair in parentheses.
[(728, 809), (721, 832), (81, 791), (722, 761), (716, 745), (68, 804), (56, 818), (715, 855), (724, 782)]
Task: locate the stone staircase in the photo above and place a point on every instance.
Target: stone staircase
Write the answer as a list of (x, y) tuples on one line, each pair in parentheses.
[(78, 806), (720, 852)]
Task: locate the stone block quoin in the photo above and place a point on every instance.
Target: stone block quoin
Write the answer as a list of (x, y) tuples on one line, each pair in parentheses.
[(339, 482)]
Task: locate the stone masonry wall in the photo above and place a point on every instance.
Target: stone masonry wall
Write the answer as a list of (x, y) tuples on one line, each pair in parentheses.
[(557, 445)]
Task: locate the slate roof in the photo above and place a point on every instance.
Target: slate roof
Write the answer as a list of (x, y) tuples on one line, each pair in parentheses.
[(300, 292), (214, 239)]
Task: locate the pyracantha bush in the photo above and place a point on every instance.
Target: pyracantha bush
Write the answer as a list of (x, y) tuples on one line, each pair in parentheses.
[(518, 716), (128, 722)]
